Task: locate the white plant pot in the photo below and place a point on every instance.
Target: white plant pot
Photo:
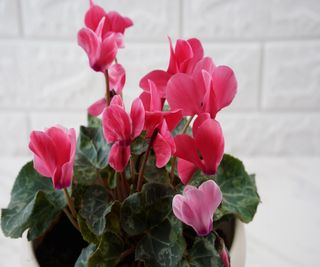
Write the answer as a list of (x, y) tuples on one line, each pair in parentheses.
[(237, 252)]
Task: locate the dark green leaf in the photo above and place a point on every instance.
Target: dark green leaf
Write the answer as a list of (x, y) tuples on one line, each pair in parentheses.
[(139, 145), (86, 233), (163, 245), (108, 252), (154, 174), (92, 144), (84, 256), (95, 206), (91, 156), (34, 205), (203, 253), (141, 211), (240, 196), (94, 121)]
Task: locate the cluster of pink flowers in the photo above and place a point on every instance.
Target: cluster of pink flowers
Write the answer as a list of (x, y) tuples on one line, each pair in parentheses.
[(192, 86)]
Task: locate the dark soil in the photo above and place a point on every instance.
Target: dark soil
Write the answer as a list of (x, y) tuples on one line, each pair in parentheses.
[(60, 246)]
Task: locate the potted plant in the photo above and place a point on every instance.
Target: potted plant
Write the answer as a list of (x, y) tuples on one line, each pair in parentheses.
[(150, 187)]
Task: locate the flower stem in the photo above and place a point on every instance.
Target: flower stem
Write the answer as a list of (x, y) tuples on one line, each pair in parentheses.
[(108, 94), (71, 219), (143, 165), (174, 159), (70, 204)]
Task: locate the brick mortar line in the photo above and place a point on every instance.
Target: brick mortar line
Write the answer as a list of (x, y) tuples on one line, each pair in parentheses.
[(164, 41)]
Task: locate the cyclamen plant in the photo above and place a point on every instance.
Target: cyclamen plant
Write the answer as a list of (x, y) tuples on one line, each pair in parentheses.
[(144, 188)]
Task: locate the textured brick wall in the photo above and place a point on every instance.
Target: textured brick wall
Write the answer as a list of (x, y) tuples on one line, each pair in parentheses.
[(273, 46)]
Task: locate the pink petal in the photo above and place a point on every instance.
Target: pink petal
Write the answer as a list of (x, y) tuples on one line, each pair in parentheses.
[(97, 107), (186, 169), (116, 124), (183, 53), (182, 93), (187, 150), (152, 121), (196, 202), (94, 16), (212, 194), (88, 40), (44, 149), (137, 115), (117, 37), (117, 100), (210, 142), (173, 118), (108, 53), (155, 101), (159, 77), (173, 66), (146, 100), (117, 77), (119, 156), (119, 23), (162, 151), (198, 52), (177, 203), (63, 176), (198, 122), (224, 85)]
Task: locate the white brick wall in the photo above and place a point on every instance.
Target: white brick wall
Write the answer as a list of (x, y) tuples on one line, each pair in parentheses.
[(274, 47)]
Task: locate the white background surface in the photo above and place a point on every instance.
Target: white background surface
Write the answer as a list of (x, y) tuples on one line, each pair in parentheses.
[(273, 124)]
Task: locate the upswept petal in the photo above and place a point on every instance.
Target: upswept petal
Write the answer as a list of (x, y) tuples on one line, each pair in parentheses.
[(155, 99), (187, 150), (173, 65), (117, 77), (162, 151), (173, 118), (212, 194), (198, 121), (183, 54), (116, 124), (44, 150), (108, 53), (117, 100), (62, 143), (88, 40), (97, 107), (224, 84), (186, 169), (152, 121), (63, 176), (159, 77), (198, 52), (182, 93), (119, 156), (137, 115), (210, 142), (94, 16), (118, 23)]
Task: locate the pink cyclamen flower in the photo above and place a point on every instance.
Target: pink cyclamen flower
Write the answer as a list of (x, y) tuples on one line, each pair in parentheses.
[(162, 121), (54, 151), (203, 151), (121, 129), (117, 79), (183, 59), (208, 89), (113, 23), (101, 51), (196, 206)]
